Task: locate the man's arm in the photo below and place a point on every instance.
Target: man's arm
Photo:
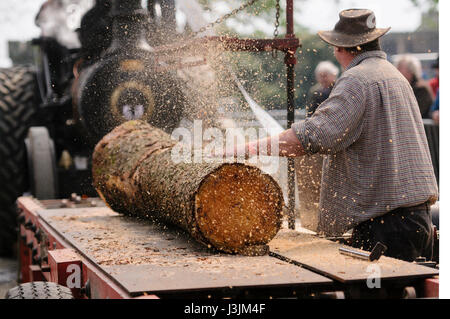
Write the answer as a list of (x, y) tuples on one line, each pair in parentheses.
[(285, 144), (336, 125)]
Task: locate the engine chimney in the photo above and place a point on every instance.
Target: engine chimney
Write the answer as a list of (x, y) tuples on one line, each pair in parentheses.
[(130, 21)]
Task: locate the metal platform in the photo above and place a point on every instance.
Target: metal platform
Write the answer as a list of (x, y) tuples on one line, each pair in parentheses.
[(143, 257), (322, 256), (138, 258)]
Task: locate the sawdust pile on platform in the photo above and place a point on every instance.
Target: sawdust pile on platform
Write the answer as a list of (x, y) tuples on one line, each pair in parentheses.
[(110, 240)]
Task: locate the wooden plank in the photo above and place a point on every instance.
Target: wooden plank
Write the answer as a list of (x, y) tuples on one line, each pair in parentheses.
[(322, 256), (151, 258)]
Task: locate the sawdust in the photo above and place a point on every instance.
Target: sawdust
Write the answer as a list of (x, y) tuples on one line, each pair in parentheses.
[(110, 239), (107, 243)]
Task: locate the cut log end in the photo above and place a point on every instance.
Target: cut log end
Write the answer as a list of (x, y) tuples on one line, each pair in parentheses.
[(237, 208)]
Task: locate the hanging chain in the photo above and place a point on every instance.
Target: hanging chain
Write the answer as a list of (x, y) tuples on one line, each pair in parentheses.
[(225, 17), (277, 24), (277, 18)]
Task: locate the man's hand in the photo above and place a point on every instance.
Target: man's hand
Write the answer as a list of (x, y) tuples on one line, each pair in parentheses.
[(289, 144)]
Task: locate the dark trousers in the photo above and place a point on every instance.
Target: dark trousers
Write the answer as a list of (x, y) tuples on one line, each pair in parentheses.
[(407, 232)]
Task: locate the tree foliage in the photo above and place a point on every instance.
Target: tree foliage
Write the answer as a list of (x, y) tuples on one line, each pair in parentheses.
[(429, 3)]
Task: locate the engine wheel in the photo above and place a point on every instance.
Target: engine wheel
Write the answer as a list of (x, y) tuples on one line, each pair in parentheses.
[(17, 109)]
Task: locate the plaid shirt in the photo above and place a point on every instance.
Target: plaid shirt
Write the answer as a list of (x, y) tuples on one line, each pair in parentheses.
[(377, 157)]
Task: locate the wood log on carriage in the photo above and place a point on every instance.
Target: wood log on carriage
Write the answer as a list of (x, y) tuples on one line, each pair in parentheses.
[(232, 207)]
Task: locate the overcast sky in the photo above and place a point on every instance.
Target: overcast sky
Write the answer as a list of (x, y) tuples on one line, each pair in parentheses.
[(17, 17), (401, 15)]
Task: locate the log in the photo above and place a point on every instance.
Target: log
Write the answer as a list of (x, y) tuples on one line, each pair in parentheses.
[(233, 207)]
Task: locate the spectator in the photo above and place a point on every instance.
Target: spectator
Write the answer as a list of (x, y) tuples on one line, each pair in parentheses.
[(410, 67), (326, 74), (434, 82), (435, 109)]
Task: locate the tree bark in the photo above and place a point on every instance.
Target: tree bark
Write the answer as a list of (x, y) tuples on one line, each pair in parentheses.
[(233, 207)]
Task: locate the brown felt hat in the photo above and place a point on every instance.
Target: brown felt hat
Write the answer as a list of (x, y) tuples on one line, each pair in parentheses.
[(355, 27)]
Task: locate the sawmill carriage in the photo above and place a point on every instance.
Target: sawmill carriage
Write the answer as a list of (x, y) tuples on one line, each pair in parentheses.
[(52, 116)]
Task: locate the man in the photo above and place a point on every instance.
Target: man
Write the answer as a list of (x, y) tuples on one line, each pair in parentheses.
[(326, 74), (410, 67), (377, 174)]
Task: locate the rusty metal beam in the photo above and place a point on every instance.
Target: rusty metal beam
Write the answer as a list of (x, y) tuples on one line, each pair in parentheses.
[(234, 44), (290, 61), (257, 45)]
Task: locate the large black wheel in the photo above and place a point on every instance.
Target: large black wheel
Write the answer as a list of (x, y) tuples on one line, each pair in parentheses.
[(17, 109), (39, 290)]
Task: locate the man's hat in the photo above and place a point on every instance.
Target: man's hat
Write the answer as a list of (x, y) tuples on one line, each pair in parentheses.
[(355, 27)]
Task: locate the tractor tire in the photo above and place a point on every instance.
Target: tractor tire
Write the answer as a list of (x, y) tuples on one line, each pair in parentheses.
[(17, 110), (39, 290)]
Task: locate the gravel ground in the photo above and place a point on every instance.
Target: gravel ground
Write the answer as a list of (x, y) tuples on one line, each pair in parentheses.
[(8, 275)]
